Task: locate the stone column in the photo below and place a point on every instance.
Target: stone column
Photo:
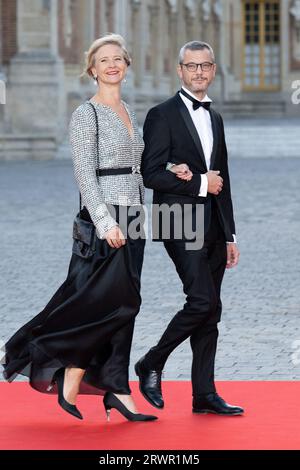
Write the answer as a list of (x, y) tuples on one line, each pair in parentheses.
[(2, 76), (136, 35), (190, 10), (174, 46), (101, 18), (154, 31), (111, 15), (35, 95), (290, 54), (87, 20), (206, 20), (220, 51), (143, 39), (181, 26), (1, 33), (121, 9), (2, 93)]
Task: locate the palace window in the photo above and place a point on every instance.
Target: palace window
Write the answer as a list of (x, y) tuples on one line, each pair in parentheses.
[(261, 45)]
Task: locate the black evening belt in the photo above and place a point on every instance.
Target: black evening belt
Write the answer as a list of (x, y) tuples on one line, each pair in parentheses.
[(119, 171)]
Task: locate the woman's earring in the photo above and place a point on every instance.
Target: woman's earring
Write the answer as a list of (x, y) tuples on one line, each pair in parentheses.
[(95, 80), (124, 81)]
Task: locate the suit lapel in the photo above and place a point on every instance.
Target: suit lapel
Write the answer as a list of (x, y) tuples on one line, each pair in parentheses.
[(215, 138), (191, 127)]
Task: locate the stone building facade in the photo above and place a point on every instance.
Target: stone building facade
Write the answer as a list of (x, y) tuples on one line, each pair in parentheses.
[(42, 44)]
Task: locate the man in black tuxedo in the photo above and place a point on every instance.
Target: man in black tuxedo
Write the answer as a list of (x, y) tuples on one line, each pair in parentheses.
[(185, 162)]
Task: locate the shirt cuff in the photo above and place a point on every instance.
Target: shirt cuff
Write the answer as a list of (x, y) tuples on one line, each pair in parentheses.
[(204, 186), (169, 165), (234, 239)]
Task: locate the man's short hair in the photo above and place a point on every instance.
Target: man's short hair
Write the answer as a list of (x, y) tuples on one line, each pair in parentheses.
[(195, 46)]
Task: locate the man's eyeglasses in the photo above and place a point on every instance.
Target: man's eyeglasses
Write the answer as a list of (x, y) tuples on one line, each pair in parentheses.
[(205, 66)]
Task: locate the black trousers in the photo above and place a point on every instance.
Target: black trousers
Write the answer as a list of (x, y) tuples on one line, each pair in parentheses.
[(201, 272)]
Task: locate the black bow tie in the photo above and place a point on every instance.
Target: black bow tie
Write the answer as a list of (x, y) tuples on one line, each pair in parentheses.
[(196, 104)]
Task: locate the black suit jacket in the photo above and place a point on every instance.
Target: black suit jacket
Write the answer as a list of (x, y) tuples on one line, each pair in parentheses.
[(171, 136)]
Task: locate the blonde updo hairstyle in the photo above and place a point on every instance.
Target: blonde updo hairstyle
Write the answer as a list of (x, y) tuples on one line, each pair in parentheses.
[(110, 38)]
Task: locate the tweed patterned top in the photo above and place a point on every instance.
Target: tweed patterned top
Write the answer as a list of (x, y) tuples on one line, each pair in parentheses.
[(117, 149)]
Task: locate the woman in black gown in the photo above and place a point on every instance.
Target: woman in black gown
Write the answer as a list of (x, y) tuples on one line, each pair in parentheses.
[(80, 342)]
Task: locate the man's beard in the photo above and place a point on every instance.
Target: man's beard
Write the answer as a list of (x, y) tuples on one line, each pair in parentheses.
[(199, 86)]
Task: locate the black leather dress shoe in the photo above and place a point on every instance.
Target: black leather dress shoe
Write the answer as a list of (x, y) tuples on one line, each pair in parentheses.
[(212, 403), (150, 384)]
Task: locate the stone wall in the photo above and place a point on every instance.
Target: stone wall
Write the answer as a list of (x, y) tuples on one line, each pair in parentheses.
[(42, 44)]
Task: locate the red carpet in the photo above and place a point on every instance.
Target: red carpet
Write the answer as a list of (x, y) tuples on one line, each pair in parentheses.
[(30, 420)]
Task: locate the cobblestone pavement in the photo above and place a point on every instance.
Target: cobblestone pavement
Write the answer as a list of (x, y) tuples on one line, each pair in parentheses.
[(261, 299)]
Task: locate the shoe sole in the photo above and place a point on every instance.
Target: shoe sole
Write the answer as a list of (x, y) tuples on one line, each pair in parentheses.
[(205, 412), (136, 368)]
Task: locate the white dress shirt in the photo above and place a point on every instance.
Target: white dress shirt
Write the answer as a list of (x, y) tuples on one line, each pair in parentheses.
[(202, 122)]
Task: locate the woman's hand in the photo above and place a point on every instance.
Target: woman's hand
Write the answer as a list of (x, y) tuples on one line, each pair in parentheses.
[(115, 237), (182, 171)]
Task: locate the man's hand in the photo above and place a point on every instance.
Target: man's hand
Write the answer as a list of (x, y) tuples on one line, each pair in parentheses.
[(182, 171), (233, 255), (115, 237), (215, 182)]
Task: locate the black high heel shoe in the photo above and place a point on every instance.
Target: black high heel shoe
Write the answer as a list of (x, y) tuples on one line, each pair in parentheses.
[(59, 378), (111, 401)]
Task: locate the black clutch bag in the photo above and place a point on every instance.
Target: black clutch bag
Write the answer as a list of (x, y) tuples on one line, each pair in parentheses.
[(84, 237), (84, 231)]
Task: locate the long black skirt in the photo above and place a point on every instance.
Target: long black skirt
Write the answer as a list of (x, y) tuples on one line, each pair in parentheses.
[(88, 323)]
